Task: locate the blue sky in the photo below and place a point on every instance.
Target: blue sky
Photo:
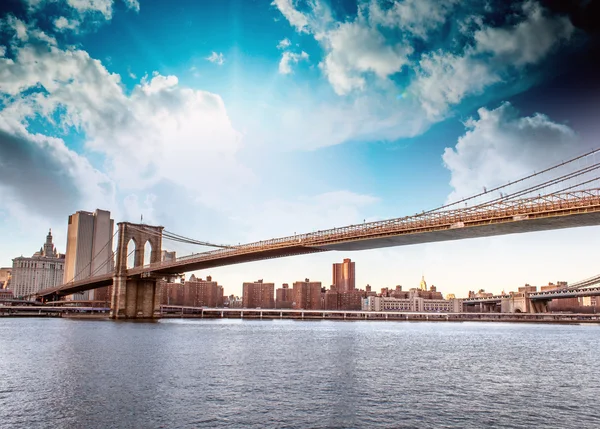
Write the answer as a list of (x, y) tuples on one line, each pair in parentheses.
[(239, 120)]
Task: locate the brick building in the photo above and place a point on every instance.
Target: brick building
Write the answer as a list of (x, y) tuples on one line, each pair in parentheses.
[(335, 300), (284, 297), (258, 294), (307, 295), (193, 293)]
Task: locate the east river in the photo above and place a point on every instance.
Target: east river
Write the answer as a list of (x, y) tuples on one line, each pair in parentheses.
[(60, 373)]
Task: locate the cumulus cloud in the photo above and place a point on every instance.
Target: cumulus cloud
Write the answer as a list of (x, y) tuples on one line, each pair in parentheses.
[(216, 58), (289, 58), (42, 174), (527, 41), (501, 146), (416, 17), (76, 12), (444, 79), (355, 49), (285, 43), (366, 53), (296, 18), (63, 24), (182, 130)]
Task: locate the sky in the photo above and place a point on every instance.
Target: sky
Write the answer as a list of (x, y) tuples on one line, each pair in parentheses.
[(236, 121)]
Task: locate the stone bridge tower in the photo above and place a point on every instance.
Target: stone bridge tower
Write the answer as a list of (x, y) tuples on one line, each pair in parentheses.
[(134, 295)]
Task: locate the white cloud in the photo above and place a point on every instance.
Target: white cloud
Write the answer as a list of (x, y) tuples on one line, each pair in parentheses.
[(80, 10), (216, 58), (296, 18), (502, 146), (284, 43), (289, 58), (526, 42), (93, 6), (444, 79), (133, 4), (181, 129), (63, 24), (40, 172), (355, 49), (417, 17)]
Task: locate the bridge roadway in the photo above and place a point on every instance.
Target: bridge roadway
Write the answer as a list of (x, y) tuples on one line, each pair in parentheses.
[(545, 212), (540, 296)]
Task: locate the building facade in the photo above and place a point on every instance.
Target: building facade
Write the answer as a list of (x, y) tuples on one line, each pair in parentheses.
[(307, 295), (344, 276), (258, 294), (413, 304), (45, 269), (284, 297), (193, 293), (89, 249), (334, 300)]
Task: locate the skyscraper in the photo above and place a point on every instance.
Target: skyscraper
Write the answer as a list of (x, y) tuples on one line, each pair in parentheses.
[(89, 248), (344, 277)]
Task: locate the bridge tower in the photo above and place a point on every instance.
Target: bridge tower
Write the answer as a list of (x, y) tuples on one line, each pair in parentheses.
[(135, 296)]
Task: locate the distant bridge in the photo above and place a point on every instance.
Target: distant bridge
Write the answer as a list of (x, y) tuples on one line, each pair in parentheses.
[(562, 196)]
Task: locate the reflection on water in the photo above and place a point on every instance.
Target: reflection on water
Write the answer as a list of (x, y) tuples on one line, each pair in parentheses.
[(290, 374)]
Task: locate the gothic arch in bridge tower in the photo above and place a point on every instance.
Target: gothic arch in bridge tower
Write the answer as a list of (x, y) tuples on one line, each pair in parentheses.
[(147, 253), (141, 235), (131, 248)]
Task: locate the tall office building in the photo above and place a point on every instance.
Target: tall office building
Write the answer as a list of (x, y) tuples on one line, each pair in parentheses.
[(343, 276), (89, 249), (41, 271)]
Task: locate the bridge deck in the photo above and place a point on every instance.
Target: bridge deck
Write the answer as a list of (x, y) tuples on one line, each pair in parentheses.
[(548, 212)]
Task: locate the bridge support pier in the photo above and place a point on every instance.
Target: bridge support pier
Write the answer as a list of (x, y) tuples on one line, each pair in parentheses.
[(135, 298)]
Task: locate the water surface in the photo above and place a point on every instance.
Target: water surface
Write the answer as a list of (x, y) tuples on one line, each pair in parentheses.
[(60, 373)]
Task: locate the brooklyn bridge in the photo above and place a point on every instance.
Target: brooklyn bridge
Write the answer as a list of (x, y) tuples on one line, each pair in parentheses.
[(565, 195)]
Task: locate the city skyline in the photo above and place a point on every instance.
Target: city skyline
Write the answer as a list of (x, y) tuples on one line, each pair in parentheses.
[(347, 266), (361, 111)]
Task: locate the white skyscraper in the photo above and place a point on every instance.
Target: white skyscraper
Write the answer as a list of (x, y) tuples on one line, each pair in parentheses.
[(89, 248)]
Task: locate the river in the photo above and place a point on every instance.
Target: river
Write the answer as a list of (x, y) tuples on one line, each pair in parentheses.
[(61, 373)]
